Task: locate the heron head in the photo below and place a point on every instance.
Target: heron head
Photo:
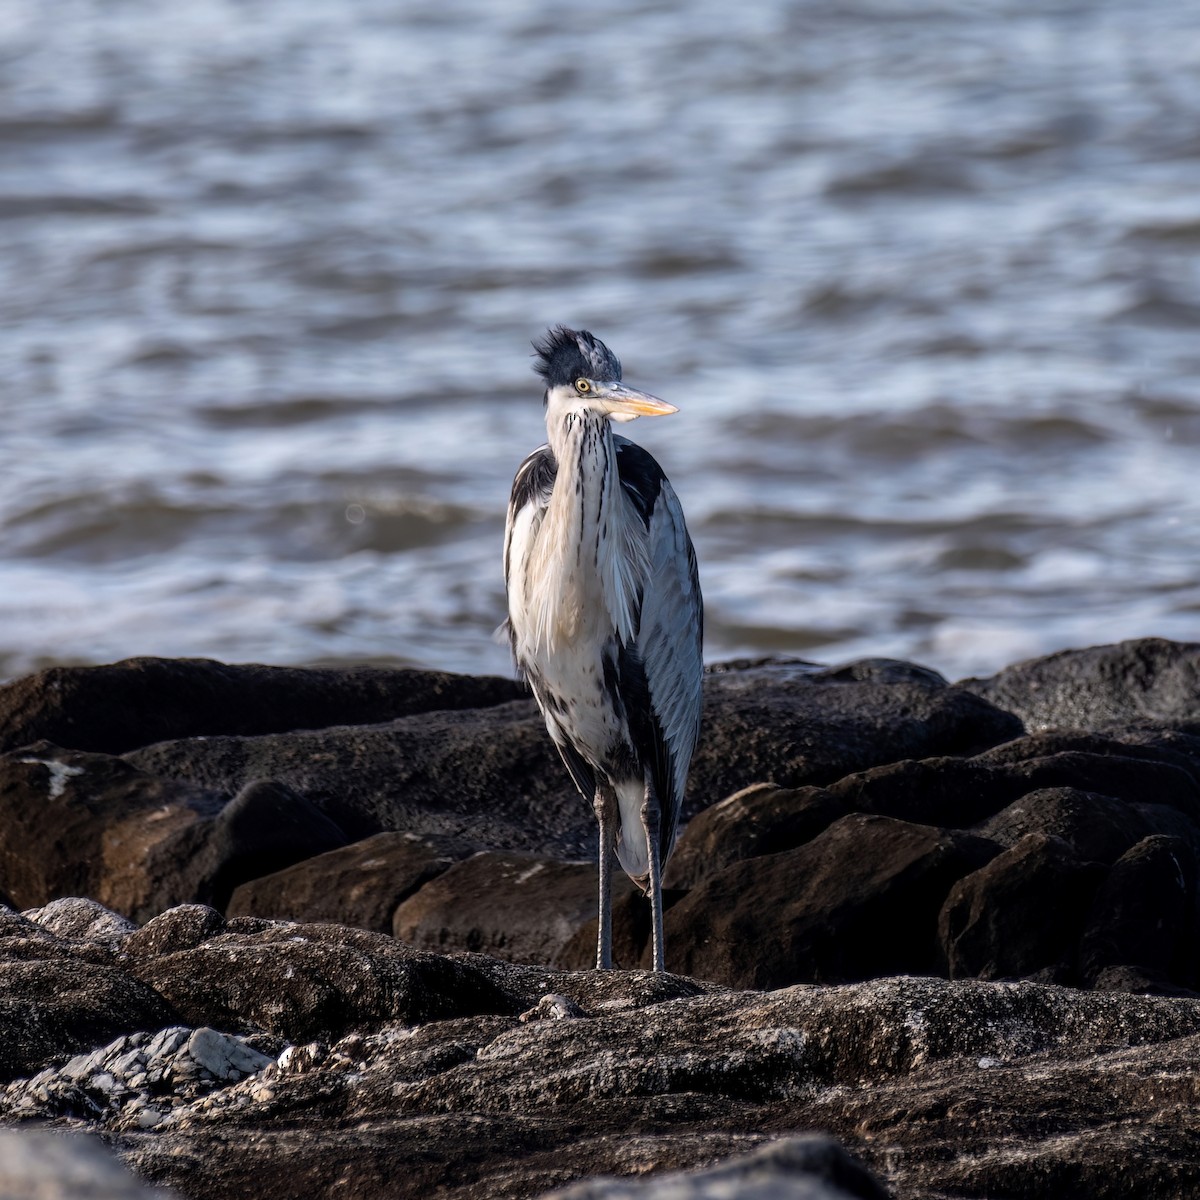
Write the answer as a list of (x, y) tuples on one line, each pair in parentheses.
[(583, 375)]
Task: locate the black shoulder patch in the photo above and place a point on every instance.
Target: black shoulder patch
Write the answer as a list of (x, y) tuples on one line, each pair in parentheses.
[(535, 478), (641, 477)]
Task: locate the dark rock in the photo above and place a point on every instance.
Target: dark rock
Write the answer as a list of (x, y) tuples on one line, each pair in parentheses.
[(943, 1088), (512, 906), (264, 828), (111, 709), (795, 1168), (441, 773), (798, 726), (310, 981), (1021, 913), (361, 884), (1149, 679), (1097, 828), (54, 1003), (861, 899), (760, 819), (72, 822), (1144, 916), (75, 824), (181, 928)]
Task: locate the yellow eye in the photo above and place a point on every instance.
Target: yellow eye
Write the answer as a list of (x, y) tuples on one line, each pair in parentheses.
[(582, 385)]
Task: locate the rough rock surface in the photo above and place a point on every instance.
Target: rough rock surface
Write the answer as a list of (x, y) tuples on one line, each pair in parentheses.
[(114, 708), (844, 825), (1150, 679), (488, 1079)]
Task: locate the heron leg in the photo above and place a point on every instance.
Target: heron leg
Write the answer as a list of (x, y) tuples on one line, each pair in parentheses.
[(651, 822), (605, 805)]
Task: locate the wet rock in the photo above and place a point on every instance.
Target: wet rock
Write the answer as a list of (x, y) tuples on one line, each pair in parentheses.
[(1021, 913), (1144, 918), (517, 907), (361, 884), (37, 1165), (861, 899), (760, 819), (111, 709), (1149, 679), (796, 1168)]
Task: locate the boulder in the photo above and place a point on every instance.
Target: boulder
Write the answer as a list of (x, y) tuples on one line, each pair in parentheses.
[(512, 906), (1149, 679), (1020, 914), (111, 709), (361, 884), (1097, 828), (72, 822), (1144, 918), (55, 1003), (440, 773), (860, 899), (760, 819)]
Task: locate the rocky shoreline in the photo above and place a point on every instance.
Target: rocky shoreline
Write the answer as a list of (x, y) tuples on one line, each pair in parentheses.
[(325, 931)]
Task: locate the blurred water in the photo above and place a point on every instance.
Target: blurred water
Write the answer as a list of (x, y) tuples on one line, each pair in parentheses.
[(922, 278)]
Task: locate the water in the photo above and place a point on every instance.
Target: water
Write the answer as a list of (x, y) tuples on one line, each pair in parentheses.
[(922, 279)]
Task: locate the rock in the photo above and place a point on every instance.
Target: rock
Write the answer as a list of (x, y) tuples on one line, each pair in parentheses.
[(361, 884), (136, 1080), (73, 917), (75, 824), (795, 1168), (942, 1088), (760, 819), (1021, 913), (112, 709), (264, 828), (1149, 679), (441, 1083), (181, 928), (440, 773), (1144, 917), (861, 899), (311, 981), (1097, 828), (37, 1165), (54, 1003), (511, 906), (517, 907)]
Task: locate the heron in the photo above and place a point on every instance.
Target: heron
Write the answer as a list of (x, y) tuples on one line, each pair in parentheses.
[(605, 616)]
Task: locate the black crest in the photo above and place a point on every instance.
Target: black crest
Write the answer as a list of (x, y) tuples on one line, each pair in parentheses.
[(564, 355)]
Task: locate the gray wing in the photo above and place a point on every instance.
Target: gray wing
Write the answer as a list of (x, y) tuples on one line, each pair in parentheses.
[(667, 652)]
